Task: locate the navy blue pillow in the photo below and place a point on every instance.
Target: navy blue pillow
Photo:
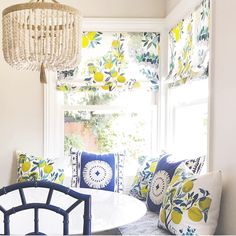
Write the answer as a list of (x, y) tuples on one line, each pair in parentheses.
[(163, 175), (97, 171)]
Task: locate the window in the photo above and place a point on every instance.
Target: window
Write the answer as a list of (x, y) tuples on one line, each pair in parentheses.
[(129, 114), (87, 100), (112, 122), (187, 85), (110, 100), (188, 119)]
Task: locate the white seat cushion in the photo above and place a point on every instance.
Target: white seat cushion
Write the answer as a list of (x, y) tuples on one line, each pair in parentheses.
[(147, 225)]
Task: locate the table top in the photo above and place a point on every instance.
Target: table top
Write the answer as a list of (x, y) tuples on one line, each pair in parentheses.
[(109, 210)]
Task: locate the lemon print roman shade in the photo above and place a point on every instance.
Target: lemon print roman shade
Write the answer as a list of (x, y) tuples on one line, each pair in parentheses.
[(114, 62), (189, 47)]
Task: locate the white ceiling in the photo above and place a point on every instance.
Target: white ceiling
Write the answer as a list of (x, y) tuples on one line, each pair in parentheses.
[(121, 8), (111, 8), (170, 5)]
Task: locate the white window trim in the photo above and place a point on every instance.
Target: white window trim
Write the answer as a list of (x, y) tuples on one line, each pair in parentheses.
[(183, 9), (124, 24), (53, 109), (53, 119), (110, 107)]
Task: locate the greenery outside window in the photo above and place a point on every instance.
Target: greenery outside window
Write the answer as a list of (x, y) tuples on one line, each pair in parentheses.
[(112, 122)]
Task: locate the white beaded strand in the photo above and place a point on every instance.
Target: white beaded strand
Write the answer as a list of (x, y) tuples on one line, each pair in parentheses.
[(40, 35)]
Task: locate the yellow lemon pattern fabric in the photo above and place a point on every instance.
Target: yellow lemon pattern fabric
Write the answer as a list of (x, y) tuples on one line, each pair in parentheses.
[(188, 207), (176, 217), (98, 77), (195, 214), (188, 186), (32, 168), (143, 178), (26, 166), (117, 61), (189, 47)]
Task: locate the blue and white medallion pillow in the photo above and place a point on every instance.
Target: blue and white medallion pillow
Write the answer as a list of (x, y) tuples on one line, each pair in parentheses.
[(163, 175), (97, 171)]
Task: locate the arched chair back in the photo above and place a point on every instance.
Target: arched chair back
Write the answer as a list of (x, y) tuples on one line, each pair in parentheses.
[(86, 199)]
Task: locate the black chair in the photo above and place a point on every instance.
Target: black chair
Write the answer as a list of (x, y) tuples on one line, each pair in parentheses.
[(36, 206)]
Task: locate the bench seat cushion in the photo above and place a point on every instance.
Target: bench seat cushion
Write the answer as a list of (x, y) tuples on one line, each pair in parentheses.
[(147, 225)]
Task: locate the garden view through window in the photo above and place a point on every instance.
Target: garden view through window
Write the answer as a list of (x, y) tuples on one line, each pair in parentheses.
[(112, 122)]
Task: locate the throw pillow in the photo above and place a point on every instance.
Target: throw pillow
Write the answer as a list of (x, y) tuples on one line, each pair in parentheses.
[(31, 168), (162, 177), (142, 179), (98, 171), (191, 203)]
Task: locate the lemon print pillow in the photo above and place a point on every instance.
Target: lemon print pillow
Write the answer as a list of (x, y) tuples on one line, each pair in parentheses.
[(191, 203), (163, 174), (32, 168), (142, 179)]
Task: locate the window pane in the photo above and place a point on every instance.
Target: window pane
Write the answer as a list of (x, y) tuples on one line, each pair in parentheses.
[(188, 119), (112, 130), (191, 129)]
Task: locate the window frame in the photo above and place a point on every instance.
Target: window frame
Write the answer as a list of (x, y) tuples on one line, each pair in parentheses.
[(172, 109), (183, 9), (53, 100)]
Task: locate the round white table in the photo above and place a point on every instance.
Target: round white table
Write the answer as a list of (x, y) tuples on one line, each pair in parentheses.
[(109, 210)]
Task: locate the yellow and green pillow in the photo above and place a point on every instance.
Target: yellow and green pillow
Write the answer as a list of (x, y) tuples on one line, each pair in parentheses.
[(162, 176), (142, 179), (32, 168), (191, 203)]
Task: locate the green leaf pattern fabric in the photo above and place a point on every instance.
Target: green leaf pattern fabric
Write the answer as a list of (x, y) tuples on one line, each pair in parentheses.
[(142, 179), (115, 62), (189, 47), (32, 168)]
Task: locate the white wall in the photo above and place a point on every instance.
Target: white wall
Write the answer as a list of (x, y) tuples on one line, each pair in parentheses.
[(223, 108), (21, 114), (21, 119), (111, 8)]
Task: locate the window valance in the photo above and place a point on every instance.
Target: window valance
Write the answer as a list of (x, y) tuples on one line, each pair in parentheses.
[(189, 47), (114, 61)]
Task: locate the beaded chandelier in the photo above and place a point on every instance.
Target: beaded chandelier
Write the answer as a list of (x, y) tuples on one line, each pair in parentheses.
[(41, 35)]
